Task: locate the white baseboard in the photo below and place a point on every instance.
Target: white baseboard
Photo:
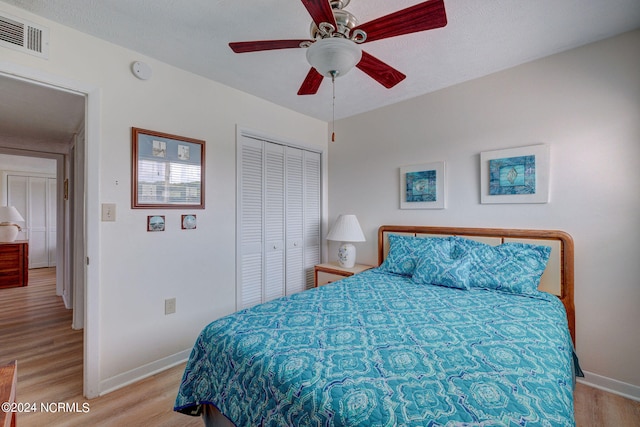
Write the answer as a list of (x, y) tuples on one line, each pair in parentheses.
[(144, 371), (65, 300), (629, 391)]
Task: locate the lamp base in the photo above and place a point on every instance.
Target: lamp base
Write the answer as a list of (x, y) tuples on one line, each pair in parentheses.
[(8, 232), (347, 255)]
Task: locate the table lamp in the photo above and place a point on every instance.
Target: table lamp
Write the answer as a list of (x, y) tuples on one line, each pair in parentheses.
[(346, 229), (9, 215)]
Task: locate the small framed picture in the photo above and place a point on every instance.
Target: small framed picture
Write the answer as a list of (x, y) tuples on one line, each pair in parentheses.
[(155, 223), (188, 222), (422, 186)]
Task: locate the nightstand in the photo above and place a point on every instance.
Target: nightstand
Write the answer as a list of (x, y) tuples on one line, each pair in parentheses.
[(331, 272)]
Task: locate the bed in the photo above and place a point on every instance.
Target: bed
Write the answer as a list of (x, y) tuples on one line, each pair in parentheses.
[(456, 326)]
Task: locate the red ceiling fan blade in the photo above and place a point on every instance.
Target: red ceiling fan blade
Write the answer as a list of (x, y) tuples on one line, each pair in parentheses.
[(320, 11), (255, 46), (311, 83), (384, 74), (421, 17)]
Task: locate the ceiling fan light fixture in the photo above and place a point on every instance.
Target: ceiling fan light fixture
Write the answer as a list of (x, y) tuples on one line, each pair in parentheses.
[(334, 56)]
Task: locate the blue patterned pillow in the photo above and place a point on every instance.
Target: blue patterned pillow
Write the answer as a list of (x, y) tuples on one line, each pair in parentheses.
[(404, 252), (443, 271), (510, 267), (460, 246)]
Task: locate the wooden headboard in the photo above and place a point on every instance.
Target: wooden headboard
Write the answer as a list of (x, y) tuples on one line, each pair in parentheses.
[(557, 278)]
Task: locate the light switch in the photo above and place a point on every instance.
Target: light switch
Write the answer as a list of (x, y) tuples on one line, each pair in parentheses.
[(108, 211), (170, 306)]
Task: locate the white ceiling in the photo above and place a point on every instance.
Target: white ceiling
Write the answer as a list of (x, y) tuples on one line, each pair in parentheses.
[(481, 37), (38, 114)]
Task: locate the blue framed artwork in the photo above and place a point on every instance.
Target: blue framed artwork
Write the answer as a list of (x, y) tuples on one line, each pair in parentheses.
[(422, 186), (516, 175), (512, 175)]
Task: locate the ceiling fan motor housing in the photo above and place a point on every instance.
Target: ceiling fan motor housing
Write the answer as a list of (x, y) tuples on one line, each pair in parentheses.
[(345, 22)]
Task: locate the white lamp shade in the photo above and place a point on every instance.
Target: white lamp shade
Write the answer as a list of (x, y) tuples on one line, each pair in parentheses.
[(346, 229), (333, 55), (10, 214)]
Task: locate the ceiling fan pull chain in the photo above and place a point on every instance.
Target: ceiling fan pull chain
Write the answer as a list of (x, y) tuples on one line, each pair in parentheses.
[(333, 108)]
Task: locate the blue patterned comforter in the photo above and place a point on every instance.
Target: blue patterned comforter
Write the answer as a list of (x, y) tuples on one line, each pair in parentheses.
[(377, 349)]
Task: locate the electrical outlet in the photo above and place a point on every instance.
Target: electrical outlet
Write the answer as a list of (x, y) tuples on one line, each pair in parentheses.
[(170, 306), (108, 211)]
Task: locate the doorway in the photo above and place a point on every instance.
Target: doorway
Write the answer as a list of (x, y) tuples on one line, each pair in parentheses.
[(46, 118)]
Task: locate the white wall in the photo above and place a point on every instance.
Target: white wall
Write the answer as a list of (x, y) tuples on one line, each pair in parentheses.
[(584, 103), (138, 270), (12, 163)]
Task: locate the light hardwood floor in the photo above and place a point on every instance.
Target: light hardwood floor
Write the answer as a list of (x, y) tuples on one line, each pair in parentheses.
[(35, 329)]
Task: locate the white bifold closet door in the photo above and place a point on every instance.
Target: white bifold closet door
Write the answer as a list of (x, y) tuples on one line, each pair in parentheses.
[(278, 229), (302, 218), (35, 199)]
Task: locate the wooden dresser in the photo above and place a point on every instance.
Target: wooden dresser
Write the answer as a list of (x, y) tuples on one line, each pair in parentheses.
[(14, 264)]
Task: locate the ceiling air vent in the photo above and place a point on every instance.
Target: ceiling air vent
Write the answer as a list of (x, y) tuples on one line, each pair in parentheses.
[(25, 36)]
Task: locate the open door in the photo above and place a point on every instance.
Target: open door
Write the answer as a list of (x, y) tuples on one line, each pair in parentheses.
[(79, 255)]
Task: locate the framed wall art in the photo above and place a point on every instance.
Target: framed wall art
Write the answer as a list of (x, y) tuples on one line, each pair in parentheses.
[(515, 175), (167, 171), (155, 223), (422, 186), (188, 222)]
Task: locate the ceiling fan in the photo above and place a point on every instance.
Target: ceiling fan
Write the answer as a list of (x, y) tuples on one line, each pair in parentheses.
[(336, 35)]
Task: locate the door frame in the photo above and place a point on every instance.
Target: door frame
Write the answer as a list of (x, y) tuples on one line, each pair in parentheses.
[(90, 271)]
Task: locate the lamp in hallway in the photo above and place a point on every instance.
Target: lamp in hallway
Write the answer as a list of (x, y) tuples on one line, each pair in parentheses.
[(346, 229), (9, 215)]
